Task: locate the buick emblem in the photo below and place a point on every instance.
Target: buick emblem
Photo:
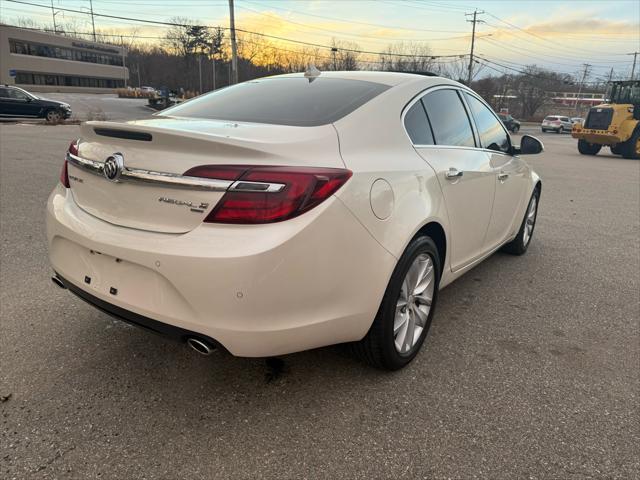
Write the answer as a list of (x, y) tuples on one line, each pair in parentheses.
[(113, 166)]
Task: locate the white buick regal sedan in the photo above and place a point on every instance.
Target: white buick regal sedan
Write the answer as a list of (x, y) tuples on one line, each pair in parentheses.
[(292, 212)]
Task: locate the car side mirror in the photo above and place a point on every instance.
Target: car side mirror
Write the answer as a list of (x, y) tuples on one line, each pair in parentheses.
[(528, 146)]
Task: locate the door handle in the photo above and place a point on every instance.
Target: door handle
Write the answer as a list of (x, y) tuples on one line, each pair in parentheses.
[(453, 173), (503, 176)]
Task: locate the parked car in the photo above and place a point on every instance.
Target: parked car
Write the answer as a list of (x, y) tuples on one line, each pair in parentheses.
[(148, 90), (511, 123), (16, 102), (577, 120), (284, 214), (556, 123)]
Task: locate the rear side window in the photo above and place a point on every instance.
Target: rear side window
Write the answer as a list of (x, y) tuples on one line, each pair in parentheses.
[(4, 92), (449, 118), (417, 125), (295, 101), (492, 135)]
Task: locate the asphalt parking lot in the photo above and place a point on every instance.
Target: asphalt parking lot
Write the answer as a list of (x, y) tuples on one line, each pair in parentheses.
[(530, 369)]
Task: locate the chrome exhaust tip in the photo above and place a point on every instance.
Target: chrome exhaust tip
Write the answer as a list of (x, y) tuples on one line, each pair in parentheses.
[(200, 346), (58, 282)]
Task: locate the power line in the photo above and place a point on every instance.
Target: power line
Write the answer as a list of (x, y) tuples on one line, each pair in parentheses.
[(545, 59), (275, 37), (357, 35), (551, 42), (393, 27)]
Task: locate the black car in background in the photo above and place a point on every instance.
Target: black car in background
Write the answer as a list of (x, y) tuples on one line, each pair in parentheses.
[(16, 102), (511, 123)]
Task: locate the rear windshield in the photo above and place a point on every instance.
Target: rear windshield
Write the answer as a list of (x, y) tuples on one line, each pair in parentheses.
[(293, 101), (550, 118)]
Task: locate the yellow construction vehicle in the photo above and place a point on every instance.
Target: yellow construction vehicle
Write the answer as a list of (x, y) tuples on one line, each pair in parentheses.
[(615, 124)]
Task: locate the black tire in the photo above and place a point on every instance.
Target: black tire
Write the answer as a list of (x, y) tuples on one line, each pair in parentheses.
[(544, 130), (615, 149), (515, 129), (560, 130), (377, 348), (519, 245), (53, 116), (586, 148), (630, 148)]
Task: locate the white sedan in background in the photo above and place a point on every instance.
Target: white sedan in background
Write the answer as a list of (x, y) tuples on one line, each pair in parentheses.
[(292, 212)]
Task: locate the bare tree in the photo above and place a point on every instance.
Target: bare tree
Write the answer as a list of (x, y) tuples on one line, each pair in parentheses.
[(406, 57)]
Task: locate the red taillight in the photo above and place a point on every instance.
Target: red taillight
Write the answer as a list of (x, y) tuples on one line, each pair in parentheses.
[(296, 190), (73, 147), (64, 173)]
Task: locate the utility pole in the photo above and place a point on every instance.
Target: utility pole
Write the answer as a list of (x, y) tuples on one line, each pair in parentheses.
[(633, 69), (213, 59), (610, 75), (200, 72), (234, 47), (473, 40), (124, 68), (213, 66), (584, 77), (53, 14), (93, 23)]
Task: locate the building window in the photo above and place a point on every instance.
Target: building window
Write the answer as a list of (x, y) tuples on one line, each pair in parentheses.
[(28, 78), (39, 50)]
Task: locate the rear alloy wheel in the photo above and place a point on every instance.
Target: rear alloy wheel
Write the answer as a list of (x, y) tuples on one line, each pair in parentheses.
[(587, 148), (406, 311), (631, 148), (53, 116), (520, 244), (560, 130), (516, 129)]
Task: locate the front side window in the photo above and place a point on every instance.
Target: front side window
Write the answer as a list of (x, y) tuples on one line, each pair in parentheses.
[(492, 135), (295, 101), (417, 125), (449, 118)]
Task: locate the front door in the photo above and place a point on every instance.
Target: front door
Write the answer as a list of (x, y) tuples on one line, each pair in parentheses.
[(510, 179), (509, 171), (14, 103)]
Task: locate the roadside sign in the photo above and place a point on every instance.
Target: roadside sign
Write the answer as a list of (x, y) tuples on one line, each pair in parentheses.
[(12, 73)]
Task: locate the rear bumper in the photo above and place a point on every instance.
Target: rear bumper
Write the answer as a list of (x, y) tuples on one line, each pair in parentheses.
[(257, 290), (603, 137), (132, 318)]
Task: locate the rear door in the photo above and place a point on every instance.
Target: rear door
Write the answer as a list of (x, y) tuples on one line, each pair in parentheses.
[(510, 172), (464, 173)]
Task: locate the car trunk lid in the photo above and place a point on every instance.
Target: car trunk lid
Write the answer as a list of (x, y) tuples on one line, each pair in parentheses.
[(156, 153)]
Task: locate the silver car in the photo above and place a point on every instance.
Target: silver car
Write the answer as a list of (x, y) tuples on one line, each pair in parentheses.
[(556, 123)]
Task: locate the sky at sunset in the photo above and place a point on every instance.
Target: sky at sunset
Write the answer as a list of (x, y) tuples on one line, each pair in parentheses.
[(560, 35)]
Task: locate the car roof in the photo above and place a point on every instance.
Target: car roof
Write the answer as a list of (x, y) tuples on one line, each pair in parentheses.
[(386, 78)]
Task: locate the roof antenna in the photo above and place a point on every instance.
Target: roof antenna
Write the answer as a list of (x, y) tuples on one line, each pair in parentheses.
[(312, 72)]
